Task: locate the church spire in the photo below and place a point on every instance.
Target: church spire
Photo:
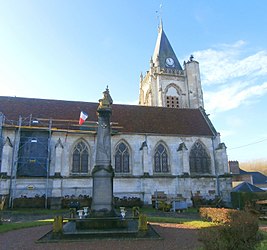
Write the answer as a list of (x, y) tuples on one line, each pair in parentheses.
[(163, 51), (160, 25)]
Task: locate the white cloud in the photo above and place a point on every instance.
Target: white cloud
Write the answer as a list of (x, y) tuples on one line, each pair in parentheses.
[(231, 76), (233, 96)]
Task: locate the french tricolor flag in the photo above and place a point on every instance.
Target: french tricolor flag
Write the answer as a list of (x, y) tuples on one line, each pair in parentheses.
[(83, 117)]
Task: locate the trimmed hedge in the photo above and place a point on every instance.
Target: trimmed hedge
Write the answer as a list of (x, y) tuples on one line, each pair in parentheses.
[(241, 199), (71, 201), (127, 202), (31, 202), (217, 215), (237, 230)]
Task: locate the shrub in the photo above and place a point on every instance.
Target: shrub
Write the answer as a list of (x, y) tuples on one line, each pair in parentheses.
[(217, 215), (240, 233), (165, 207), (240, 199), (199, 201), (127, 202), (81, 201), (29, 202)]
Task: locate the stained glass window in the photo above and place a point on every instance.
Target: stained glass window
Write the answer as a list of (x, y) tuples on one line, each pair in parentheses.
[(161, 159), (199, 160), (122, 159), (80, 158)]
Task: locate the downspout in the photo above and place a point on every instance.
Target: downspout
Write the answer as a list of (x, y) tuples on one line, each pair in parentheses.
[(48, 164), (13, 175), (1, 139)]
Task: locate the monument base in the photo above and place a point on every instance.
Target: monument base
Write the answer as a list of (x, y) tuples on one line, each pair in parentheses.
[(72, 233), (103, 213), (102, 198), (101, 223)]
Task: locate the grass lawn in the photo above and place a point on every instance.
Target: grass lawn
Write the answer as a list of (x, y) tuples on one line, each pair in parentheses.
[(5, 227), (36, 211), (51, 213), (263, 244), (192, 223)]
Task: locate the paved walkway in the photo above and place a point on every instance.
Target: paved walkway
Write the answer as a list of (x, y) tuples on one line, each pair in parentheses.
[(175, 236)]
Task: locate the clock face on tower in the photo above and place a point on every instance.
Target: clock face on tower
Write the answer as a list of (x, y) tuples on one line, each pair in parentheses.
[(169, 62)]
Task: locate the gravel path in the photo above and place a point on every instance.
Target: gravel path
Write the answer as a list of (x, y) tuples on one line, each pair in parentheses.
[(175, 236)]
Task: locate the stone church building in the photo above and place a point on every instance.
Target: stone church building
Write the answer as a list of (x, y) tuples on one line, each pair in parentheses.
[(165, 144)]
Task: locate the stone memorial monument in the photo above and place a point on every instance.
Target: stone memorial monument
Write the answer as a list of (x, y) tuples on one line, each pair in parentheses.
[(102, 198), (102, 221)]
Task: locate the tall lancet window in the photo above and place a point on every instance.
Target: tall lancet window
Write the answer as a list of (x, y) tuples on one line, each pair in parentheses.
[(80, 158), (122, 159), (161, 159), (200, 161)]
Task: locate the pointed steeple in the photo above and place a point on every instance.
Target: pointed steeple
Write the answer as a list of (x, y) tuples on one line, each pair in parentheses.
[(163, 53)]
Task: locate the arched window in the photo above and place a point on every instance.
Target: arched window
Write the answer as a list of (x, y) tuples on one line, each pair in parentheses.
[(122, 159), (199, 160), (161, 159), (172, 96), (80, 158)]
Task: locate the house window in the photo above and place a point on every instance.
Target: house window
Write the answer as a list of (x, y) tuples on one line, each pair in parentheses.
[(122, 159), (80, 158), (200, 161), (161, 159)]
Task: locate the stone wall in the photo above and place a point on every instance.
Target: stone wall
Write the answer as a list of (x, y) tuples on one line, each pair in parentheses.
[(140, 182)]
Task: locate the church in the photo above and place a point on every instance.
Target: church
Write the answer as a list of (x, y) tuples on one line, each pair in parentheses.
[(167, 143)]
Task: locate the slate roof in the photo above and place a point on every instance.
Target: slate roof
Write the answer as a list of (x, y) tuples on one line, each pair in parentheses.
[(163, 50), (128, 118), (246, 187), (257, 177)]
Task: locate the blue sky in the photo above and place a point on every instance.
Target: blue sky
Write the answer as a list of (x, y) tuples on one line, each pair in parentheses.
[(70, 50)]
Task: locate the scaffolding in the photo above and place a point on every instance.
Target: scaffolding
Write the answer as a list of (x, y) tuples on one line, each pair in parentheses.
[(37, 124), (1, 137), (31, 123)]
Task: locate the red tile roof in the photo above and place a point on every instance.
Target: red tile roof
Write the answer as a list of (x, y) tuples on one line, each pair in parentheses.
[(127, 118)]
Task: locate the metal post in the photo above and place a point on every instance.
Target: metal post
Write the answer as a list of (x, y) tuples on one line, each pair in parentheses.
[(12, 188), (1, 139), (156, 202), (48, 164)]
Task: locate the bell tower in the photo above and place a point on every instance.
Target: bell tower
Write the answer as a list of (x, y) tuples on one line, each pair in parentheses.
[(166, 83)]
